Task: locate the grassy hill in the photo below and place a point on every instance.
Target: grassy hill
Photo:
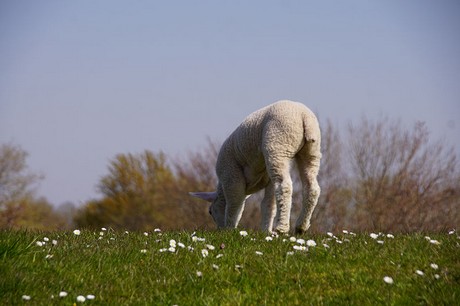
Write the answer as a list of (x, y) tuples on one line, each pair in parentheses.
[(227, 268)]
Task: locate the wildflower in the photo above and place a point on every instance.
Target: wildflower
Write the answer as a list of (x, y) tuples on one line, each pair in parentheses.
[(374, 236), (210, 247), (326, 246), (62, 294), (345, 231), (259, 253), (219, 255), (390, 236), (199, 273), (90, 297), (427, 238), (293, 239), (388, 280), (290, 253), (157, 230), (436, 276), (126, 232), (299, 248), (434, 266), (146, 234), (81, 298), (436, 242), (195, 239), (268, 238), (103, 229), (181, 245), (222, 246), (172, 243), (26, 297), (39, 243), (204, 252), (300, 241), (49, 256), (172, 249), (144, 251), (54, 242), (101, 233), (330, 234), (215, 267), (163, 250), (419, 272), (76, 232), (311, 243), (380, 241), (46, 239), (243, 233), (451, 232), (237, 267)]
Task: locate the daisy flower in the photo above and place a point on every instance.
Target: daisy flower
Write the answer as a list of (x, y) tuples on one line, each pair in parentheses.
[(419, 272), (374, 236), (62, 294), (300, 241), (388, 280)]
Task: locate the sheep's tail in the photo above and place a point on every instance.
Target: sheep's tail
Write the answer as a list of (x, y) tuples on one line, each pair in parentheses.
[(312, 134), (311, 129)]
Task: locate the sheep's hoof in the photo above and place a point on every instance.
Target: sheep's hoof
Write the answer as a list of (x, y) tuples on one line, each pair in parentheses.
[(300, 231), (282, 230)]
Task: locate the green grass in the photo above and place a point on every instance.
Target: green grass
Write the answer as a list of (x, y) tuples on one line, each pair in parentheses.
[(113, 268)]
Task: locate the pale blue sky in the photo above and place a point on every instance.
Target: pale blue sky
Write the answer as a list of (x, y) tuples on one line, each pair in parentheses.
[(81, 81)]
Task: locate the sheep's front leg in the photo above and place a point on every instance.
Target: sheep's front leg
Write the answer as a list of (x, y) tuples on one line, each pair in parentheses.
[(268, 208), (235, 198)]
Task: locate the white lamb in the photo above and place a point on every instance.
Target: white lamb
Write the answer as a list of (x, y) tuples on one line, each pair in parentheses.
[(258, 155)]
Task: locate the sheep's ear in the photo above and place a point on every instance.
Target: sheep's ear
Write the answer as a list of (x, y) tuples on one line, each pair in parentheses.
[(207, 196)]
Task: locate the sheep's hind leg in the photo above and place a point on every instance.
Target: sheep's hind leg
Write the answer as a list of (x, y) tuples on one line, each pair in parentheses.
[(308, 166), (278, 170)]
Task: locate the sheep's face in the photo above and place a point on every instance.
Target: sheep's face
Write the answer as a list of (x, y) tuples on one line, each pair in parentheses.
[(217, 208), (217, 212)]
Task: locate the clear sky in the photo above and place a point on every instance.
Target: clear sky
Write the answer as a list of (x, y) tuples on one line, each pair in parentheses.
[(81, 81)]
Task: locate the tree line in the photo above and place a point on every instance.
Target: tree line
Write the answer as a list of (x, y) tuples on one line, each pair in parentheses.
[(374, 176)]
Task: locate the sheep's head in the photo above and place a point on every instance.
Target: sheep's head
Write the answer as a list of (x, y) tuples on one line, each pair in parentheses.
[(217, 208)]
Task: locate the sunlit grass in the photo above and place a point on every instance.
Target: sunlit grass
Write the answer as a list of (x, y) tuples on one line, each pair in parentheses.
[(109, 267)]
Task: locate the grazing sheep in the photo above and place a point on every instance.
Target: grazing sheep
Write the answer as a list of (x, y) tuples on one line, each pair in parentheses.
[(258, 155)]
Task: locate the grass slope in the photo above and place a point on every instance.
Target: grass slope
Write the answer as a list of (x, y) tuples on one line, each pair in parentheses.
[(121, 268)]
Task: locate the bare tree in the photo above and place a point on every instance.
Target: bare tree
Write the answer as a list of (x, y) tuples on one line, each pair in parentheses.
[(401, 179)]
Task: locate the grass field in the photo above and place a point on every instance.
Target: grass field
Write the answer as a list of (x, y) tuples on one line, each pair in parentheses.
[(227, 268)]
